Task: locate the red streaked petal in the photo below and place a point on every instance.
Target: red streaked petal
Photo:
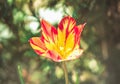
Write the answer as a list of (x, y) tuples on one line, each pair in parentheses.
[(67, 23), (73, 38), (53, 55), (64, 28), (37, 44), (78, 29), (46, 27), (54, 34), (48, 30), (39, 52)]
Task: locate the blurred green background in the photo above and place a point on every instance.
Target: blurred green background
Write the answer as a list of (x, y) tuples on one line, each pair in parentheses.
[(100, 62)]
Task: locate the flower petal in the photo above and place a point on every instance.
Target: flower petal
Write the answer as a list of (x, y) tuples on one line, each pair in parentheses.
[(73, 40), (48, 31), (67, 24), (64, 28), (70, 42), (78, 29), (75, 54), (53, 55), (38, 45)]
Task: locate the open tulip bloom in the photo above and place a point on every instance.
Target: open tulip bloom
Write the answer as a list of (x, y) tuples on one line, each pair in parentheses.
[(59, 44)]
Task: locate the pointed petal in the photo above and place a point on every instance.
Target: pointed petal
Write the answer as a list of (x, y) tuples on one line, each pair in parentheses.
[(78, 29), (38, 45), (67, 24), (73, 40), (48, 30), (64, 28)]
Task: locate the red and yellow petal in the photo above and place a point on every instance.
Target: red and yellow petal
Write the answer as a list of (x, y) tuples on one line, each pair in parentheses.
[(70, 43), (67, 24), (53, 55), (48, 31), (38, 45), (64, 28), (78, 29)]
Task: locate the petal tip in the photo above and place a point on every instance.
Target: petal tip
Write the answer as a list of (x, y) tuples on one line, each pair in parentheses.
[(84, 24)]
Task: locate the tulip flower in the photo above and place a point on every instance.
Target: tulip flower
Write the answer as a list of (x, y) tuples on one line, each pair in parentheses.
[(59, 44)]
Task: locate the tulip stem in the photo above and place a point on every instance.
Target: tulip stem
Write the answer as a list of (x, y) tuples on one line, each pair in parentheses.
[(65, 72)]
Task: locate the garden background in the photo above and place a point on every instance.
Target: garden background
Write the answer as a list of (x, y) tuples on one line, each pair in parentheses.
[(100, 62)]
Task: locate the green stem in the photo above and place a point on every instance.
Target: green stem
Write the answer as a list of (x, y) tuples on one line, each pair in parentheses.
[(20, 74), (65, 72)]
